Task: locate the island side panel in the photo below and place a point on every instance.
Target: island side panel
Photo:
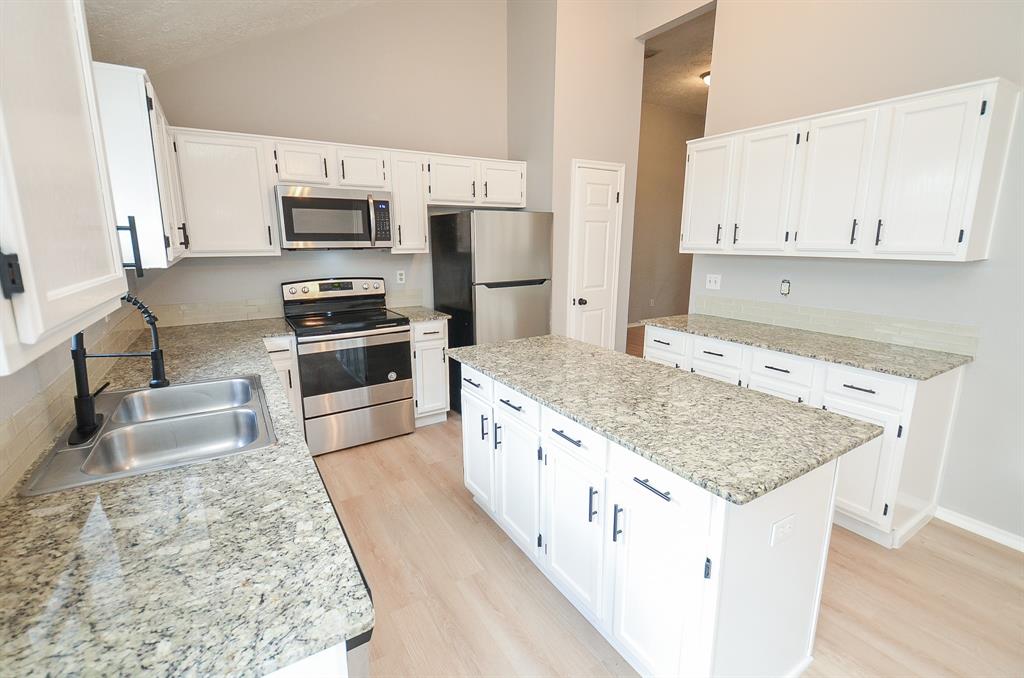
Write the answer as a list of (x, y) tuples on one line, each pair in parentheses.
[(770, 567)]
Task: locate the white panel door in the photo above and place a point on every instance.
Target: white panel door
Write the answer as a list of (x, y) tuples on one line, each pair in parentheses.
[(409, 196), (659, 549), (304, 163), (362, 167), (574, 522), (225, 192), (517, 477), (430, 362), (56, 207), (595, 231), (452, 180), (502, 183), (765, 164), (926, 189), (706, 194), (866, 474), (477, 451), (833, 198)]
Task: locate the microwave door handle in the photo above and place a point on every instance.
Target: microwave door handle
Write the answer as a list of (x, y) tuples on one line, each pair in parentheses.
[(373, 221)]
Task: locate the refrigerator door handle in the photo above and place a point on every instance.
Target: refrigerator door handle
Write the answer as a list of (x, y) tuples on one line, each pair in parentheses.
[(513, 283)]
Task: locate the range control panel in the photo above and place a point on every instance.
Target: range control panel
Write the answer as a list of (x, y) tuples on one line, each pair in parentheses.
[(332, 288), (382, 219)]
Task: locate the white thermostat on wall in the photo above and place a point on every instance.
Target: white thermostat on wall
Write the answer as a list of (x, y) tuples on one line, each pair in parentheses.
[(784, 288)]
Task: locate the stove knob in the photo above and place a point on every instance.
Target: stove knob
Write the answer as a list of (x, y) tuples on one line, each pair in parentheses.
[(366, 286), (291, 290), (305, 290), (376, 286)]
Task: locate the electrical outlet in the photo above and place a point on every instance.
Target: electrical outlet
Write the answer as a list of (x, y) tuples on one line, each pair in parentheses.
[(651, 303), (400, 277), (713, 281), (784, 288), (782, 530)]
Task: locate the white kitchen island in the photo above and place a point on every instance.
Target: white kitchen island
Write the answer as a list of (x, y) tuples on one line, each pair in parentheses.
[(688, 521)]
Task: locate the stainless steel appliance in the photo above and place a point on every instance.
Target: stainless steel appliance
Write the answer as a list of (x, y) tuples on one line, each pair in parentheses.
[(492, 274), (355, 367), (327, 218)]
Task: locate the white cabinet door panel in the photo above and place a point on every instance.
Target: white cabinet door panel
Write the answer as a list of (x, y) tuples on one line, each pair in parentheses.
[(430, 363), (305, 163), (765, 160), (502, 183), (362, 167), (409, 192), (930, 155), (453, 180), (706, 194), (478, 455), (517, 472), (836, 175)]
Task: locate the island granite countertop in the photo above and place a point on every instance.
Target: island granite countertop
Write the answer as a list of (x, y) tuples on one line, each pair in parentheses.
[(237, 566), (421, 314), (901, 361), (736, 443)]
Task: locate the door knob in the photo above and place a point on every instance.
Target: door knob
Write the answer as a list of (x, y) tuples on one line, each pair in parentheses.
[(581, 301)]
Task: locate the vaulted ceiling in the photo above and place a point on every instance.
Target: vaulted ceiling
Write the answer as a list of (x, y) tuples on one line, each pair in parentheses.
[(680, 55)]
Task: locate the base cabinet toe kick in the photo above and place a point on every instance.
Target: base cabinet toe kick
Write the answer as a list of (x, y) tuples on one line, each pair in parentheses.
[(679, 580)]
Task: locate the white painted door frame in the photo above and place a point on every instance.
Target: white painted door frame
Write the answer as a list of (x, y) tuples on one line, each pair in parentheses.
[(574, 230)]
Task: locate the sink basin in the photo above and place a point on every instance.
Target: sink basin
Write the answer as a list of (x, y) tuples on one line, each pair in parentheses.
[(148, 430), (182, 399)]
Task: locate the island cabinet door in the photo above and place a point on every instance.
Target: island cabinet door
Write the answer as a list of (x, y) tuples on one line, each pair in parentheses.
[(517, 481), (477, 449), (574, 529), (658, 538)]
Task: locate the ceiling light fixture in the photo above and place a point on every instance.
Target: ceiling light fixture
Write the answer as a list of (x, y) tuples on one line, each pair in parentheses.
[(706, 77)]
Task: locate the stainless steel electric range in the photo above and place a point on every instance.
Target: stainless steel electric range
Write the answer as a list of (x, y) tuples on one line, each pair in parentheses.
[(355, 366)]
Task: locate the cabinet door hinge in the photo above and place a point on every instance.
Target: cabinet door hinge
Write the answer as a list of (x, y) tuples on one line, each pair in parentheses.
[(11, 282), (415, 403), (961, 238), (707, 568), (885, 511), (149, 102), (167, 242), (899, 431), (984, 106), (540, 453), (539, 541)]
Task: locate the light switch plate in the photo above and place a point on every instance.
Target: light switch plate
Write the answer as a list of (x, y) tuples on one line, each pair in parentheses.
[(713, 281)]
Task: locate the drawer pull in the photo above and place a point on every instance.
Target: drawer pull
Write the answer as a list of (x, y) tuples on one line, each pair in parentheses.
[(713, 353), (561, 434), (777, 369), (859, 388), (471, 382), (591, 511), (497, 428), (483, 427), (433, 332), (615, 523), (517, 408), (667, 496), (663, 343)]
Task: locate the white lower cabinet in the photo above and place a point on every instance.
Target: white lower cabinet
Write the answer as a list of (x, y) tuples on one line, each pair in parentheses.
[(477, 450), (283, 356), (517, 480), (430, 371)]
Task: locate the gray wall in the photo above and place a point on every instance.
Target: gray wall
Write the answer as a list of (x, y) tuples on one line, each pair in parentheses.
[(775, 60)]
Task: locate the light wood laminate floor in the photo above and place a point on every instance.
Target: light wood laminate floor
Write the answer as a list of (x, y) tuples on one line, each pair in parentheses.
[(454, 596)]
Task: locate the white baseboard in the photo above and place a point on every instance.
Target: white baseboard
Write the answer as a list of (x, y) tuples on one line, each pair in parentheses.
[(1014, 541)]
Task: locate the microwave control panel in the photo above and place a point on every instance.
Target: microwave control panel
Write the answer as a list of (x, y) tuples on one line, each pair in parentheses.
[(382, 219)]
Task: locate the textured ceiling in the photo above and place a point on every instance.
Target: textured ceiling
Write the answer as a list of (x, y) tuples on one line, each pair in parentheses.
[(160, 34), (672, 75)]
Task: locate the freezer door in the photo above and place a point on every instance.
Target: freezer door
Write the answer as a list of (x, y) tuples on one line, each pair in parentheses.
[(510, 246), (511, 312)]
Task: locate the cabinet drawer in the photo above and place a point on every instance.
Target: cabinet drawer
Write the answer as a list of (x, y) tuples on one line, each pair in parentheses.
[(516, 405), (630, 468), (574, 437), (427, 331), (277, 344), (658, 339), (782, 367), (666, 358), (780, 389), (476, 383), (882, 391), (717, 352), (730, 375)]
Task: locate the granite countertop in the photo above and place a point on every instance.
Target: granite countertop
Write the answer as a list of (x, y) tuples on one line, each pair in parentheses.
[(736, 443), (421, 314), (901, 361), (238, 566)]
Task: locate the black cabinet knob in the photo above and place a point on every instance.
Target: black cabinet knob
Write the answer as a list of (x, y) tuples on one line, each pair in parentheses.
[(581, 301)]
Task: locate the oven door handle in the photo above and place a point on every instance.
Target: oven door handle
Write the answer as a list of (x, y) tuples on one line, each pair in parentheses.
[(359, 341)]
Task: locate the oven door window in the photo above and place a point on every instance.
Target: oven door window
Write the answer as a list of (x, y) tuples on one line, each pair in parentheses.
[(347, 369), (326, 219)]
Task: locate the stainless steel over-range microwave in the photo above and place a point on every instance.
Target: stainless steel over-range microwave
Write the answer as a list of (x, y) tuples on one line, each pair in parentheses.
[(327, 218)]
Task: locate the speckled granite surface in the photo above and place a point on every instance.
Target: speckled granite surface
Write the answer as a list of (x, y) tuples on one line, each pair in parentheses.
[(736, 443), (234, 567), (901, 361), (421, 314)]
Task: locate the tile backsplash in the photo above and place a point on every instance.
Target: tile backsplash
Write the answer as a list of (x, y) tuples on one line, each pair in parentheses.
[(938, 336)]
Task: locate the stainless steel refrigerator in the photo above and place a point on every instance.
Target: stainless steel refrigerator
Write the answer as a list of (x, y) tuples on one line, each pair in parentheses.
[(492, 273)]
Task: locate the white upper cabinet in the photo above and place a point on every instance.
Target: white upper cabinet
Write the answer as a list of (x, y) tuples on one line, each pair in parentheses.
[(362, 167), (409, 202), (764, 165), (453, 180), (226, 192), (706, 194), (502, 182), (838, 156), (56, 208), (917, 177), (304, 163)]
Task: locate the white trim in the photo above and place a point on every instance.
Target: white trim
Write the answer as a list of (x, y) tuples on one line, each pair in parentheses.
[(620, 168), (996, 534)]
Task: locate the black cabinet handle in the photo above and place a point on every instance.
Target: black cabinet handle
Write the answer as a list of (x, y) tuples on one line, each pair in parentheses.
[(517, 408), (561, 434), (270, 239), (713, 353), (718, 234), (433, 332), (859, 388), (474, 188), (342, 168), (663, 343), (735, 232), (591, 511), (853, 232), (497, 428), (184, 235), (483, 427), (471, 382), (878, 233), (133, 233), (399, 234), (325, 168), (485, 189), (289, 378), (777, 369), (615, 523), (667, 496)]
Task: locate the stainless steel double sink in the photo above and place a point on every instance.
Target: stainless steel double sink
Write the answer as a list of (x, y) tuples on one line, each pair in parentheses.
[(148, 429)]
